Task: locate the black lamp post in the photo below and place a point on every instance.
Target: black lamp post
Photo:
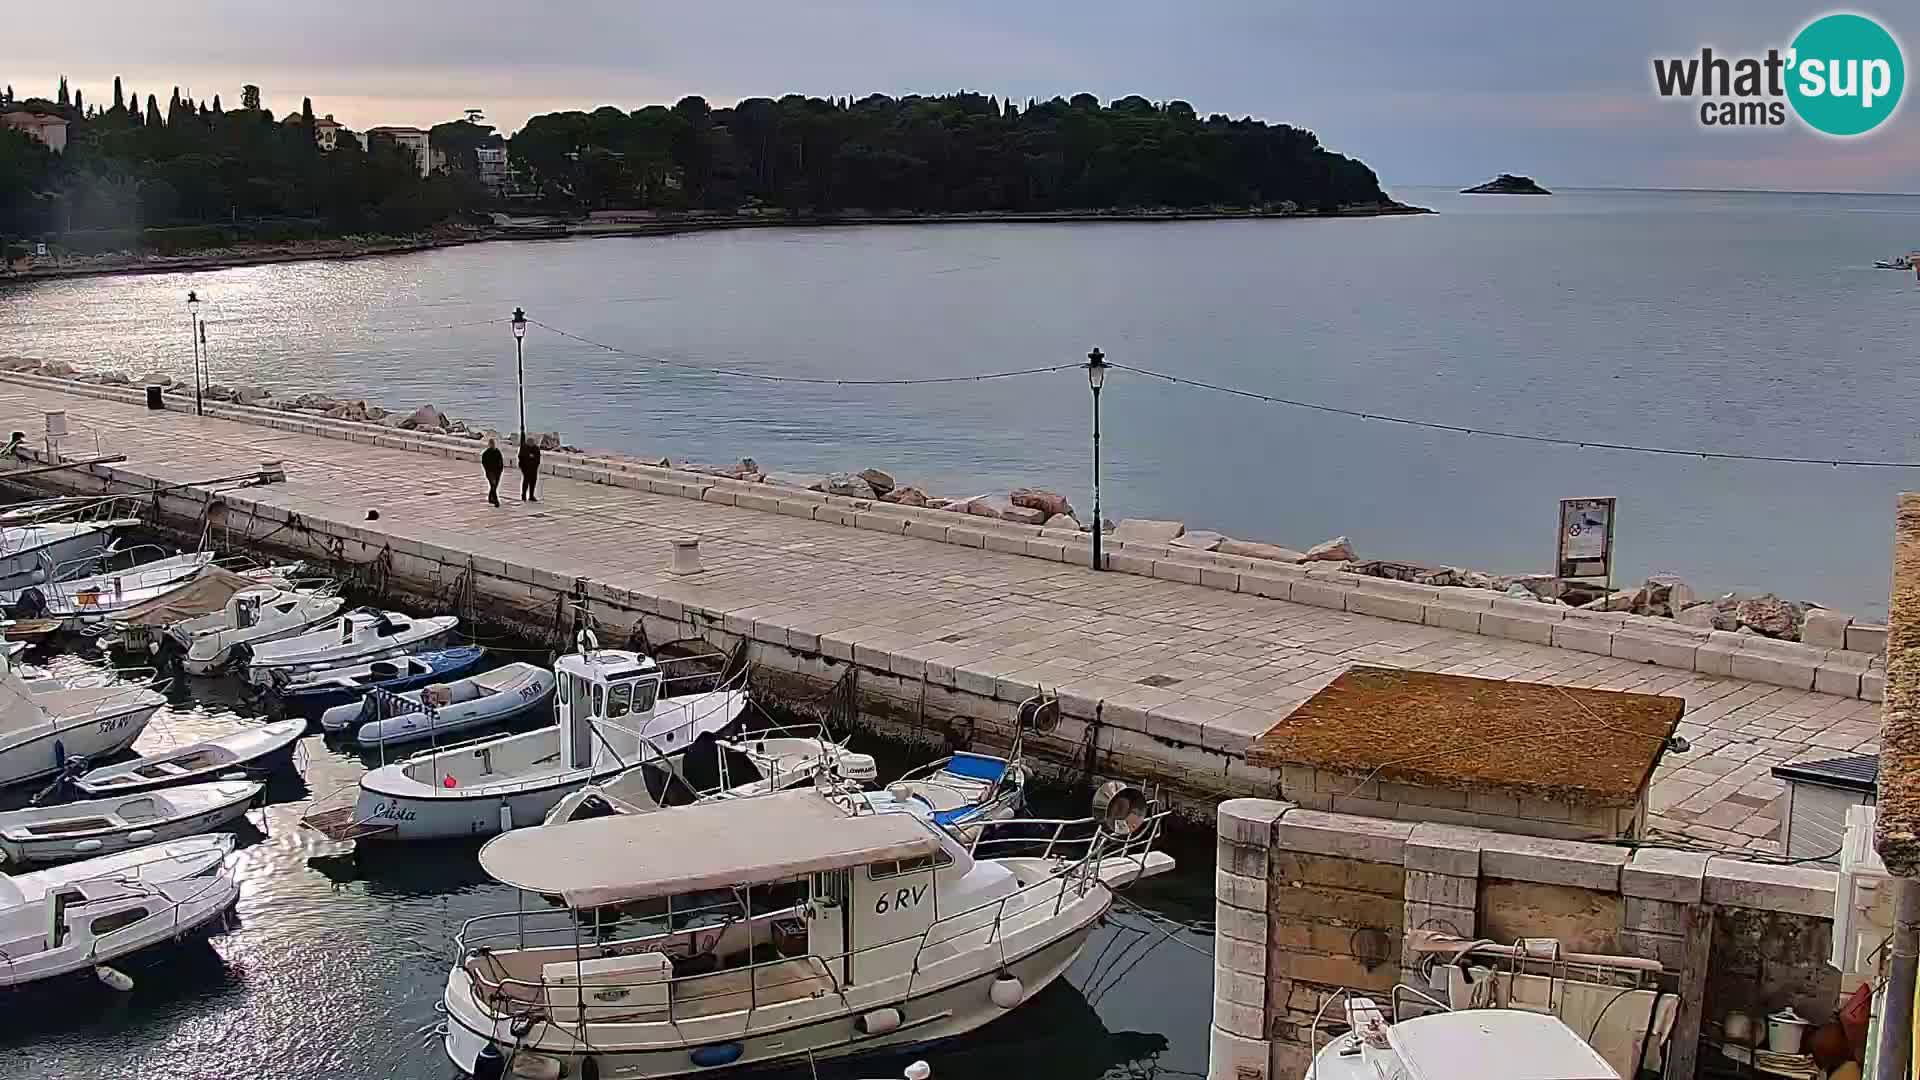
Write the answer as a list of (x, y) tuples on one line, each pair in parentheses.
[(1096, 378), (520, 365), (193, 313)]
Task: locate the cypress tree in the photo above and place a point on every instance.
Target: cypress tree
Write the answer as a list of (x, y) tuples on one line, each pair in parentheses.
[(306, 111), (217, 110), (78, 106), (153, 111), (63, 100), (173, 107), (119, 103)]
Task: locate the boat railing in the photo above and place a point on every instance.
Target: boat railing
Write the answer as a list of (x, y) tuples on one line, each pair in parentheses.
[(495, 989)]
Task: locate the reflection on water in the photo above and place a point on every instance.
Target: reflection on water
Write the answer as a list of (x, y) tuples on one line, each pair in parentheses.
[(336, 961)]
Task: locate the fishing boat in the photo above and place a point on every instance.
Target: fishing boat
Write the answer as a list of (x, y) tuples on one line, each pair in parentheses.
[(359, 636), (963, 791), (48, 834), (37, 554), (1898, 262), (324, 688), (494, 697), (838, 930), (80, 916), (255, 752), (94, 598), (609, 718), (210, 643), (46, 725), (759, 764), (142, 628)]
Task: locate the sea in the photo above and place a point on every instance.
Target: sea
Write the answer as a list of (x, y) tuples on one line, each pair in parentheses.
[(1697, 321)]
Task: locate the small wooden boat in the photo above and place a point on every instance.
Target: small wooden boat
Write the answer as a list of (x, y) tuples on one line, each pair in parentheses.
[(97, 597), (254, 752), (385, 718), (157, 864), (358, 637), (47, 834), (328, 687), (32, 630)]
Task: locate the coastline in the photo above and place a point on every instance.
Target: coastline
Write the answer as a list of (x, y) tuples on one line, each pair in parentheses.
[(344, 248)]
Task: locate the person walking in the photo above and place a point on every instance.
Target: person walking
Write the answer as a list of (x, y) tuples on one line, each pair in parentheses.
[(493, 464), (529, 468)]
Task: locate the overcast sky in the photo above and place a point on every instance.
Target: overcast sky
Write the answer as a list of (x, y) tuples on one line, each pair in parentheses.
[(1425, 92)]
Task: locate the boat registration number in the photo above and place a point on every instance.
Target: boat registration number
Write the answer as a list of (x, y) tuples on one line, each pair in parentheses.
[(114, 723)]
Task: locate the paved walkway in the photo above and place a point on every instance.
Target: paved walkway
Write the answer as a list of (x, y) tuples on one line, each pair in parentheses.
[(1231, 663)]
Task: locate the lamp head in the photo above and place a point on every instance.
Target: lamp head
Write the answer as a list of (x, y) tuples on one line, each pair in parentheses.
[(193, 302), (1096, 369), (519, 323)]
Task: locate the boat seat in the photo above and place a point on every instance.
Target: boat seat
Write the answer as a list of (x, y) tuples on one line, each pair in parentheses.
[(70, 825), (745, 988), (607, 989)]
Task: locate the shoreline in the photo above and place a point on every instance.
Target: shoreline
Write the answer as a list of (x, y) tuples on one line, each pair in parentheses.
[(230, 259)]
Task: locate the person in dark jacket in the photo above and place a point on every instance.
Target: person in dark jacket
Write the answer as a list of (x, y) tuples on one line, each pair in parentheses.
[(493, 464), (529, 468)]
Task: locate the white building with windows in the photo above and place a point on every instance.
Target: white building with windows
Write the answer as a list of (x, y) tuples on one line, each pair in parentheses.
[(411, 138)]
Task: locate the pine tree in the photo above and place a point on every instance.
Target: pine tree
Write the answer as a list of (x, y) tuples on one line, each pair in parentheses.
[(63, 100), (153, 111), (133, 110), (119, 103), (79, 106), (173, 108), (217, 110)]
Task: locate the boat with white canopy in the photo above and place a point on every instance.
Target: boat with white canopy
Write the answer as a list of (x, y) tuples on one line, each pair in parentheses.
[(48, 723), (610, 717), (37, 554), (250, 617), (797, 926)]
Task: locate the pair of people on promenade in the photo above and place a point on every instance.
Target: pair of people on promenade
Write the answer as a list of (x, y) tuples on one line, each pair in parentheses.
[(493, 464)]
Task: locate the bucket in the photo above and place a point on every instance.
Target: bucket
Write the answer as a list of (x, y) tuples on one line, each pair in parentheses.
[(1786, 1032)]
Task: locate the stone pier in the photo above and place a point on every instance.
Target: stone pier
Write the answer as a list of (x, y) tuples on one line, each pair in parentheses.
[(1165, 666)]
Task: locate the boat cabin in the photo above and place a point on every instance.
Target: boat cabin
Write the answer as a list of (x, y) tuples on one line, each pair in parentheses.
[(607, 686), (370, 626)]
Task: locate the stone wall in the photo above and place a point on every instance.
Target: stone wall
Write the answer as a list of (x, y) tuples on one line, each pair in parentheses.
[(1309, 903)]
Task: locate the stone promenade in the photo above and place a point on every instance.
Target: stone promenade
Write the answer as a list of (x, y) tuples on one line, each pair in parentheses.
[(1208, 665)]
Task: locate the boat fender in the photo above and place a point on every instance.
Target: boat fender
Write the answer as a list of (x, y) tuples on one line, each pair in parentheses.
[(589, 1068), (60, 754), (140, 836), (87, 847), (530, 1066), (3, 856), (877, 1022), (1006, 991), (919, 1070), (708, 1057), (488, 1064), (113, 977), (506, 816)]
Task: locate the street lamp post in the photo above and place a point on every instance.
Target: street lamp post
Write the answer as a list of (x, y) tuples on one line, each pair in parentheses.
[(193, 313), (520, 365), (1096, 378)]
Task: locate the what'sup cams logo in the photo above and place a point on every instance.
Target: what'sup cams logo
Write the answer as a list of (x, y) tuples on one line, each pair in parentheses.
[(1842, 76)]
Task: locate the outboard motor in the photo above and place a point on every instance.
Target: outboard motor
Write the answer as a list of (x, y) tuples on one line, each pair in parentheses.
[(62, 789), (1121, 808)]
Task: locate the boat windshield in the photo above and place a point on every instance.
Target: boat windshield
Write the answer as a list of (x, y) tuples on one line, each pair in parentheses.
[(619, 700)]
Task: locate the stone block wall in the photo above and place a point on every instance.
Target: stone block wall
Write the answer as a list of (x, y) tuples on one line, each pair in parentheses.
[(1309, 903), (1486, 808)]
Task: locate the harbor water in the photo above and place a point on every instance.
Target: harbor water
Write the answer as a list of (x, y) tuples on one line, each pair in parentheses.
[(1744, 322), (335, 962)]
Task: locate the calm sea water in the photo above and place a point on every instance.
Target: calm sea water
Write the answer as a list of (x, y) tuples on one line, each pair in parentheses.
[(1722, 321), (336, 963)]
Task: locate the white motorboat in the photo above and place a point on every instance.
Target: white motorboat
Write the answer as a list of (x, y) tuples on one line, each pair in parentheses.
[(839, 930), (254, 751), (251, 617), (609, 719), (87, 913), (46, 725), (386, 719), (96, 597), (47, 834), (356, 637), (37, 554), (760, 764), (1474, 1044)]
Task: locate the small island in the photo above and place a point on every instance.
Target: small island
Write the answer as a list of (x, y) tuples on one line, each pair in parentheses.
[(1507, 184)]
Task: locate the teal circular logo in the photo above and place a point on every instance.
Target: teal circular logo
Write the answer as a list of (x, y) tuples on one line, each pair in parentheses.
[(1846, 74)]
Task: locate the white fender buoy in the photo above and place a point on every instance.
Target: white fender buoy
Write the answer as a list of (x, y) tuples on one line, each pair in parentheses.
[(153, 647), (113, 977), (506, 817), (140, 836), (919, 1070), (878, 1022), (87, 846), (1006, 991)]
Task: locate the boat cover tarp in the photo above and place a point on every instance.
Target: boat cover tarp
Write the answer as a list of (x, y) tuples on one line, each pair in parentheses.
[(207, 593), (712, 845)]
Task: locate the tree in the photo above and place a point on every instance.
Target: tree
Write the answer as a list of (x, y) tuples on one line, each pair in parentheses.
[(250, 98), (119, 103), (79, 106), (216, 105), (133, 110), (153, 112), (62, 99), (306, 112), (174, 108)]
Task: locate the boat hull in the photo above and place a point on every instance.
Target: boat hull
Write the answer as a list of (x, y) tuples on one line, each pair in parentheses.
[(257, 761), (316, 698), (472, 813), (22, 570), (264, 673), (100, 736), (942, 1013), (194, 907), (415, 728), (41, 851), (216, 652)]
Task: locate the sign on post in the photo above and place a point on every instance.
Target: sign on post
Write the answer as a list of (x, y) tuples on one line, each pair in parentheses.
[(1586, 539)]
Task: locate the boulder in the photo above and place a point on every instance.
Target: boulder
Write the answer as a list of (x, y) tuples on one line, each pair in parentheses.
[(1707, 616), (906, 496), (427, 418), (549, 440), (396, 421), (880, 482), (1052, 502), (1517, 591), (1197, 540), (18, 363), (844, 484), (1825, 629), (980, 507), (457, 427), (371, 412), (1062, 521), (1679, 597), (59, 369), (787, 479), (1767, 614), (1540, 586), (115, 378), (1338, 549), (1147, 530), (217, 392), (1248, 549), (747, 469), (251, 395), (321, 402), (1475, 579), (1025, 515), (1624, 600)]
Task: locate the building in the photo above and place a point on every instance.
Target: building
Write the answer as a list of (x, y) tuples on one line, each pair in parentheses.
[(494, 175), (326, 130), (412, 139), (49, 128)]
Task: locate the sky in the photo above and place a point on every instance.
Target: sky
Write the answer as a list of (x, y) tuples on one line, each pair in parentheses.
[(1426, 93)]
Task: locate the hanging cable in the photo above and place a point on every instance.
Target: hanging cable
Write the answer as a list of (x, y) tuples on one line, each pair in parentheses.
[(1432, 425)]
